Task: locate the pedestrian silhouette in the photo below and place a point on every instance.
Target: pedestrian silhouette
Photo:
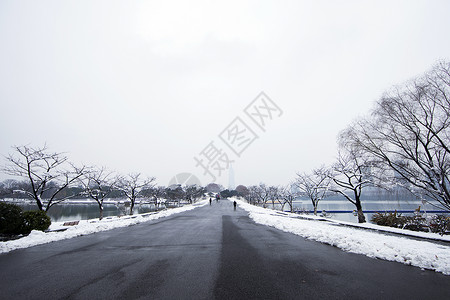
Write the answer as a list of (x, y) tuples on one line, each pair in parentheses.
[(210, 201), (234, 204)]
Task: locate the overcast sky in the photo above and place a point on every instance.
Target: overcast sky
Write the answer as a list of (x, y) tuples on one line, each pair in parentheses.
[(146, 86)]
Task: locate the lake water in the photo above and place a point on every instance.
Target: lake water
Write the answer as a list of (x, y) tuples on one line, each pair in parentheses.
[(343, 210), (84, 210)]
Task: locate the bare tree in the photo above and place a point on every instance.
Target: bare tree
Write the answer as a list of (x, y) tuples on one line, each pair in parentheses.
[(98, 183), (409, 135), (262, 193), (315, 186), (288, 195), (251, 196), (47, 173), (274, 195), (175, 192), (155, 193), (259, 194), (194, 192), (132, 186), (350, 174)]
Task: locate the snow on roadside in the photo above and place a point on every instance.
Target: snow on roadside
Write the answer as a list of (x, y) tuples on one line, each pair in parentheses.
[(421, 254), (89, 226)]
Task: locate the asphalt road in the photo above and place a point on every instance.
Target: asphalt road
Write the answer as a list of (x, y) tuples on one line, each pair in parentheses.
[(211, 252)]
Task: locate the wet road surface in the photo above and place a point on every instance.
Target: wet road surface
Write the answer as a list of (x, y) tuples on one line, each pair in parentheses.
[(212, 252)]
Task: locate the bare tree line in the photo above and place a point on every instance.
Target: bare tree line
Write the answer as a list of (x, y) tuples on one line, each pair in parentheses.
[(265, 195), (50, 176), (404, 143)]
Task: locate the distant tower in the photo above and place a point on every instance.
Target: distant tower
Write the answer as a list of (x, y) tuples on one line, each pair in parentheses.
[(231, 178)]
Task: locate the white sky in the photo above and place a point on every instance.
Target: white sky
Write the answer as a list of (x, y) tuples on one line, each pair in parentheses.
[(144, 86)]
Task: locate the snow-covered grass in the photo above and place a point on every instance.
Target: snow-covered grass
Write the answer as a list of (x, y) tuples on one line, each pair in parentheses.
[(422, 254), (89, 226)]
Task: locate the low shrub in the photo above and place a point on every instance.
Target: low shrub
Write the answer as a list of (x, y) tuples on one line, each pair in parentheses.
[(14, 221), (391, 219), (440, 224), (35, 220), (416, 223), (11, 219)]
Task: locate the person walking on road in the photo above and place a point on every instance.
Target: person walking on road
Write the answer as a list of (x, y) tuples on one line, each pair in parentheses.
[(234, 204), (210, 201)]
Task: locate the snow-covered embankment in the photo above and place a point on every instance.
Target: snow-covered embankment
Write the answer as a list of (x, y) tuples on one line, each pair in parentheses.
[(89, 226), (405, 250)]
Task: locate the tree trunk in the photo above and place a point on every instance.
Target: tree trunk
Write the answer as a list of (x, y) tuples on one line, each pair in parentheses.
[(131, 207), (361, 217), (39, 204), (315, 209), (100, 207), (47, 207)]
